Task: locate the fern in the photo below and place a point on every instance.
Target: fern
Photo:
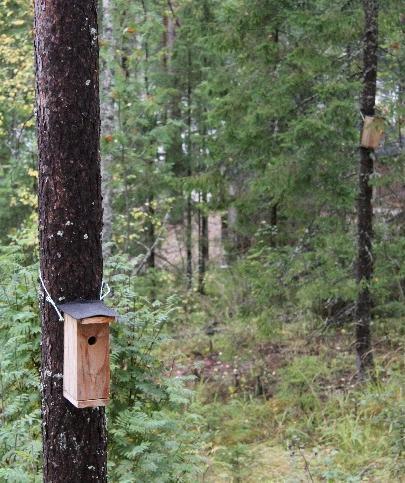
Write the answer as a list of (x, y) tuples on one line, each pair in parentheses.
[(152, 435)]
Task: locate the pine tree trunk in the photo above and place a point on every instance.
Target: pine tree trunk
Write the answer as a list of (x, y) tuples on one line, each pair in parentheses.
[(70, 221), (364, 205), (189, 241), (107, 124), (150, 226), (151, 232), (400, 109), (189, 171), (203, 246)]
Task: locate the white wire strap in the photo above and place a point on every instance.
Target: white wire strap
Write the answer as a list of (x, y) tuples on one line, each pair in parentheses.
[(104, 284), (49, 299)]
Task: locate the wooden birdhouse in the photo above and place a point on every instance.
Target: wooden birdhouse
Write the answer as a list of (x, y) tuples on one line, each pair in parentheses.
[(373, 131), (86, 360)]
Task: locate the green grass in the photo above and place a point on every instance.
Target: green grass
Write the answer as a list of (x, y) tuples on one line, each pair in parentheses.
[(310, 421), (344, 437)]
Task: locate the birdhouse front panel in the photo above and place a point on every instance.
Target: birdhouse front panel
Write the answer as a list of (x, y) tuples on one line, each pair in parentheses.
[(373, 131), (86, 368), (93, 369)]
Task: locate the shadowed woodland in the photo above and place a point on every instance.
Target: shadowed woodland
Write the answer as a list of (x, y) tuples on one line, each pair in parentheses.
[(247, 212)]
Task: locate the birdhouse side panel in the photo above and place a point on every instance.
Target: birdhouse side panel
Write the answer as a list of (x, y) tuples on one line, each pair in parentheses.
[(93, 370), (70, 357)]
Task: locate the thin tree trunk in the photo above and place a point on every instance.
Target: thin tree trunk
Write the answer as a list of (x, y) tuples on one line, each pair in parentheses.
[(151, 233), (364, 205), (189, 207), (70, 221), (169, 37), (400, 107), (189, 241), (175, 156), (107, 125), (150, 228), (203, 246)]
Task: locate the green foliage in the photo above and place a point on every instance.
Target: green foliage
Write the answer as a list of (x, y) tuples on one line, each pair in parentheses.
[(153, 435), (315, 411), (20, 444), (250, 110), (17, 163), (300, 383)]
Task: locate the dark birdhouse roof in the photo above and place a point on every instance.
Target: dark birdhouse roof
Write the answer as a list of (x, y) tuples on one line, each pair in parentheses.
[(87, 308)]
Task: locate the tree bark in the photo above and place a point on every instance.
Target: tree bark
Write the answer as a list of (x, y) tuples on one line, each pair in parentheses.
[(203, 244), (364, 352), (189, 241), (107, 125), (151, 233), (70, 221), (150, 224), (189, 170)]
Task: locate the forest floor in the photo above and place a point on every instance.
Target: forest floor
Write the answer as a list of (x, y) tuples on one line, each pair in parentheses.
[(280, 402)]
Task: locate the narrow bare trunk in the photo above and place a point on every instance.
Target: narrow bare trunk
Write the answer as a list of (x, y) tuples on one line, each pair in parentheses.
[(107, 124), (364, 352), (203, 245), (189, 207), (189, 247), (70, 222)]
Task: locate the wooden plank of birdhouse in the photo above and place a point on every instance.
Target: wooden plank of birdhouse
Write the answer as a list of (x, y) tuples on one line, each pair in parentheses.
[(89, 403), (373, 131), (97, 320), (93, 368), (70, 357)]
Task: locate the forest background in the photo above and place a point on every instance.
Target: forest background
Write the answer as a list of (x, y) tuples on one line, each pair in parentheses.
[(230, 146)]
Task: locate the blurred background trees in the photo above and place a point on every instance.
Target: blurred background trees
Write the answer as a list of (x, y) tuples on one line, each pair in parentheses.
[(230, 143)]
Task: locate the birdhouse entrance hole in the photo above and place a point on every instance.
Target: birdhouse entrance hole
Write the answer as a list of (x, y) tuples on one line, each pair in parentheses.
[(92, 340)]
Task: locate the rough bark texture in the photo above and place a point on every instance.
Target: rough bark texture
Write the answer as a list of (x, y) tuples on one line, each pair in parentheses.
[(107, 124), (70, 221), (364, 204)]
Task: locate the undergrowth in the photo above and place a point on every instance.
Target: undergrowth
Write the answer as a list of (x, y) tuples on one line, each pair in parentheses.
[(277, 388), (215, 388)]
